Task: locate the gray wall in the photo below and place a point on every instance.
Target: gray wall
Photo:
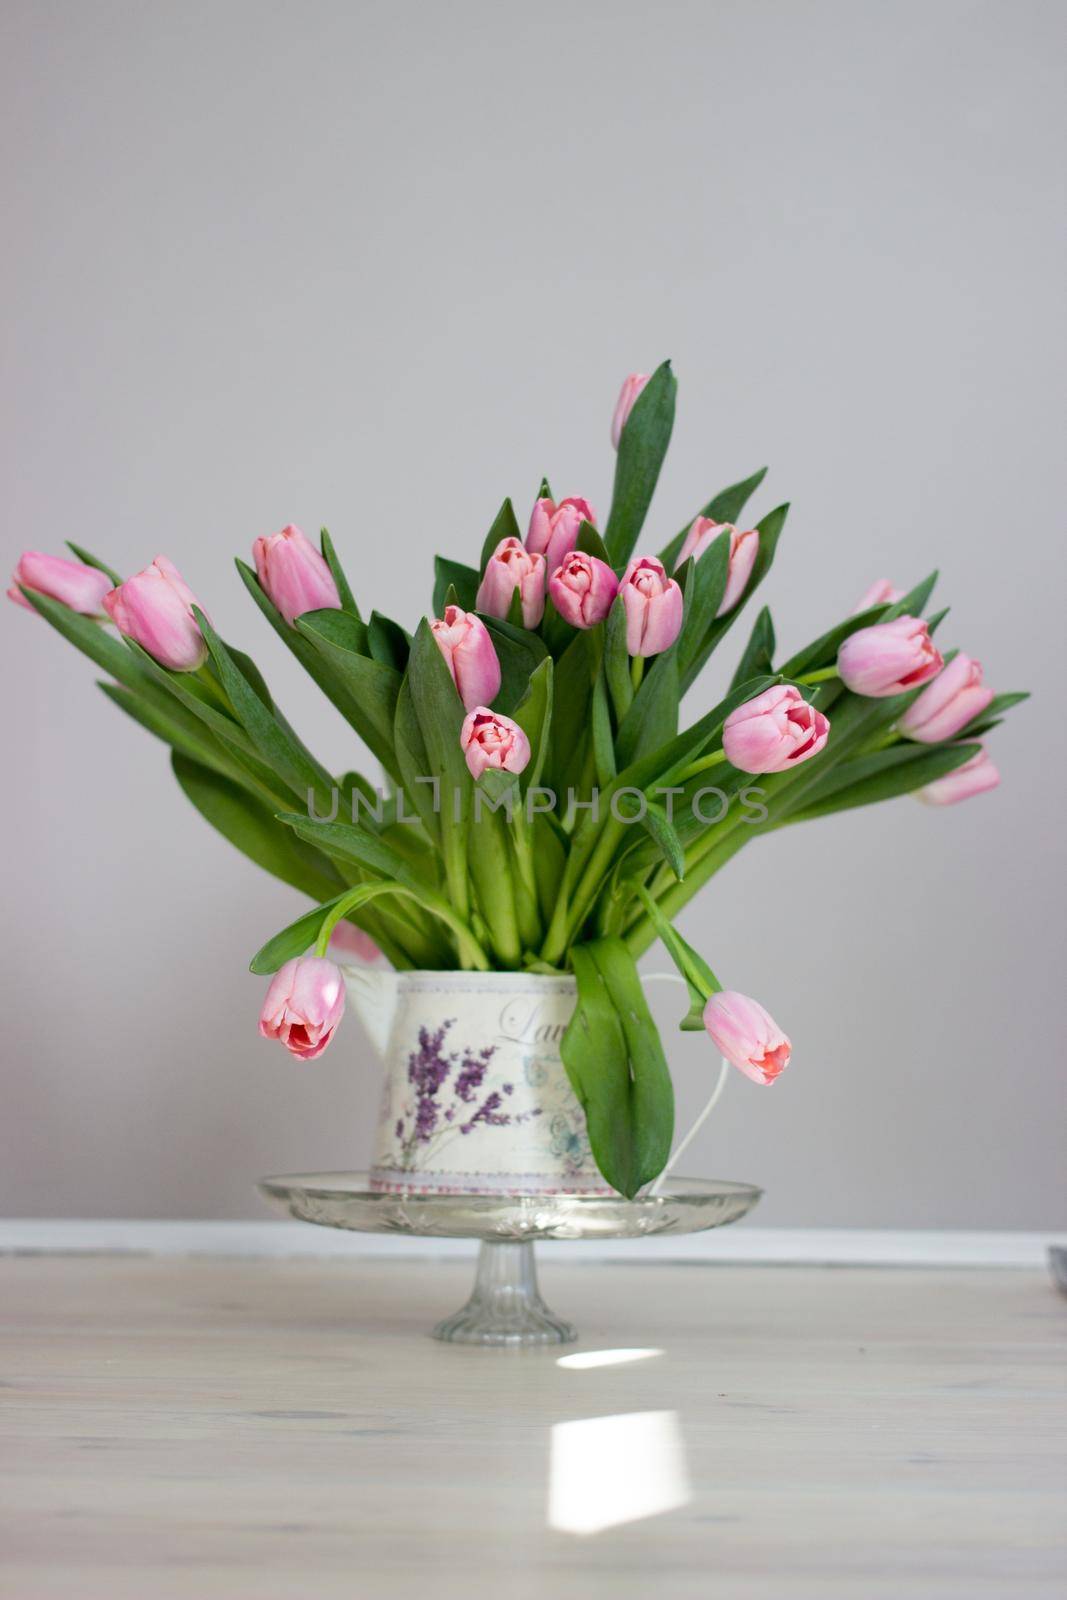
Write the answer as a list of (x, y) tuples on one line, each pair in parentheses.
[(377, 265)]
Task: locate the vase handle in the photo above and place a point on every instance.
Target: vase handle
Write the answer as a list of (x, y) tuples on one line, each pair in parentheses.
[(720, 1084)]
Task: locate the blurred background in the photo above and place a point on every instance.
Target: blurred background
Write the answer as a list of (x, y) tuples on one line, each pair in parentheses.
[(376, 266)]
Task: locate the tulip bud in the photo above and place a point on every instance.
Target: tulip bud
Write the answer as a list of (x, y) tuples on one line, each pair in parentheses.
[(294, 574), (347, 942), (155, 609), (304, 1004), (582, 589), (889, 658), (881, 593), (955, 698), (80, 587), (747, 1036), (744, 547), (464, 642), (775, 731), (489, 740), (510, 567), (628, 394), (553, 530), (653, 605), (974, 777)]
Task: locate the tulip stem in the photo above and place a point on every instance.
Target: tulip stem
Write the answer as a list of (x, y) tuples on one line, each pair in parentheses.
[(823, 675), (637, 672), (700, 766)]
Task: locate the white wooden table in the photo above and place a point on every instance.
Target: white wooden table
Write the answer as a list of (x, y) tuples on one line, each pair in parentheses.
[(284, 1430)]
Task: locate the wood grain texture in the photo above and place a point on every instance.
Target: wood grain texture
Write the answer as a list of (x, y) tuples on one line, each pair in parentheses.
[(275, 1430)]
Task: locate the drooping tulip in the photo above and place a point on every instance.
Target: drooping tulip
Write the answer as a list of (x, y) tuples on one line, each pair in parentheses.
[(304, 1004), (294, 574), (582, 590), (747, 1035), (744, 547), (653, 604), (347, 942), (512, 567), (775, 731), (974, 777), (953, 699), (889, 658), (881, 593), (553, 530), (632, 387), (76, 585), (464, 641), (155, 608), (489, 740)]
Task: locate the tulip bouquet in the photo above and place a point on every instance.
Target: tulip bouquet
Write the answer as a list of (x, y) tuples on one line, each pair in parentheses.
[(542, 806)]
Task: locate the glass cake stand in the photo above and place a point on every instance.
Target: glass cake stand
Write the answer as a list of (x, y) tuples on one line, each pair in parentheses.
[(505, 1307)]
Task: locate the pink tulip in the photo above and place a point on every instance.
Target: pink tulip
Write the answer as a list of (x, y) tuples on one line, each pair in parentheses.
[(744, 547), (489, 740), (775, 731), (881, 593), (80, 587), (349, 942), (553, 530), (974, 777), (628, 394), (510, 567), (889, 658), (582, 590), (294, 574), (747, 1036), (155, 608), (464, 642), (955, 698), (304, 1004), (653, 605)]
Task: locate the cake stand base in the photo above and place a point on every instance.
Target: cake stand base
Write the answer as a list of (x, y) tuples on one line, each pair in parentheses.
[(505, 1306)]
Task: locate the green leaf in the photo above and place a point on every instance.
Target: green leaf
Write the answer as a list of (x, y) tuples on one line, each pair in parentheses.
[(700, 980), (999, 703), (758, 654), (881, 776), (617, 1069), (388, 642), (170, 721), (367, 684), (642, 447), (770, 531), (534, 716), (89, 560), (575, 675), (653, 717), (617, 660), (300, 935), (91, 638), (704, 583), (454, 575), (414, 762), (440, 715), (661, 830), (333, 561), (591, 544), (275, 742), (603, 743), (520, 653), (726, 506), (254, 830), (505, 526)]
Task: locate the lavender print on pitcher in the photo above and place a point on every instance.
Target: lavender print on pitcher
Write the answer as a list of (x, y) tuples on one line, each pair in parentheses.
[(476, 1099)]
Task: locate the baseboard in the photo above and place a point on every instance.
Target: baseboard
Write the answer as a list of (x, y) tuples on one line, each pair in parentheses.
[(906, 1247)]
